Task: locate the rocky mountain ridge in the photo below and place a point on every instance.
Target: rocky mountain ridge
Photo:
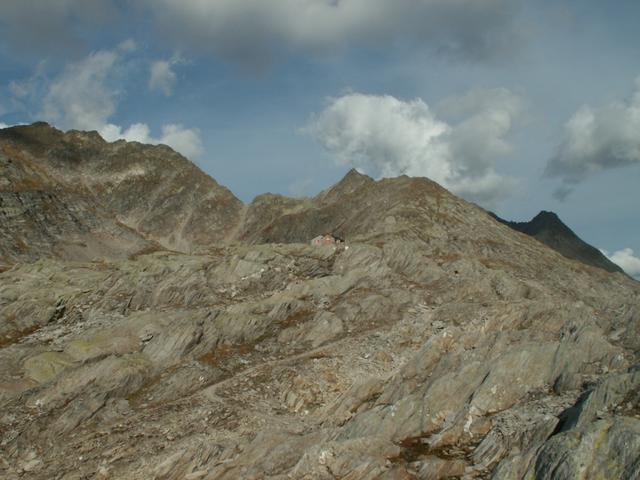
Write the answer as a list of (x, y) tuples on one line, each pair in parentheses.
[(82, 196), (158, 195), (437, 343), (550, 230)]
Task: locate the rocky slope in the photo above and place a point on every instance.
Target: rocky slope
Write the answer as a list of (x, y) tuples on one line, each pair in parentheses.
[(439, 344), (150, 190), (550, 230), (42, 217)]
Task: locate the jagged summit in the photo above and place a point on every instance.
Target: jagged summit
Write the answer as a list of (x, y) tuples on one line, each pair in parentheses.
[(547, 216), (353, 176), (550, 230), (351, 180), (349, 183), (545, 220)]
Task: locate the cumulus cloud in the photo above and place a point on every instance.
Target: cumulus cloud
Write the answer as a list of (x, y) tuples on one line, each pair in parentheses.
[(597, 139), (254, 30), (386, 136), (485, 117), (627, 260), (184, 140), (3, 125), (480, 100), (85, 96), (162, 78)]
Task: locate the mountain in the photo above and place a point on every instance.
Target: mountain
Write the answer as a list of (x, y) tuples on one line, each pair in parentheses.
[(73, 195), (42, 216), (436, 343), (353, 208), (547, 228), (87, 191)]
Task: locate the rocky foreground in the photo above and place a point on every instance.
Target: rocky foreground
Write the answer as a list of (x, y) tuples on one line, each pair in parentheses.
[(213, 342)]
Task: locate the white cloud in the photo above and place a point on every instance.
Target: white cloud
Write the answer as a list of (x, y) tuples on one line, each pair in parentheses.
[(184, 140), (85, 96), (480, 100), (597, 139), (161, 77), (485, 118), (384, 134), (255, 30), (627, 260), (387, 137), (3, 125), (128, 45)]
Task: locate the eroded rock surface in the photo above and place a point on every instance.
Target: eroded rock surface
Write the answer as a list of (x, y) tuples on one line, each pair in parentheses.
[(438, 343)]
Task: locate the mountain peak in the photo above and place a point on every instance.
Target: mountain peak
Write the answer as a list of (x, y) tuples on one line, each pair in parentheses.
[(546, 220), (549, 229), (547, 215), (351, 182), (38, 134), (354, 173), (70, 175), (353, 179)]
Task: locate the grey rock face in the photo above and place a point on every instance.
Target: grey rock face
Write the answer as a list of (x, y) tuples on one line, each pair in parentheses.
[(439, 344), (603, 449)]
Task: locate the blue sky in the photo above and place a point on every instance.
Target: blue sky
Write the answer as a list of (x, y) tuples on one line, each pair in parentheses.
[(518, 105)]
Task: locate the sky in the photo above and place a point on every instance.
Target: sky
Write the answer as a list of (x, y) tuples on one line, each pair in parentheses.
[(516, 105)]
